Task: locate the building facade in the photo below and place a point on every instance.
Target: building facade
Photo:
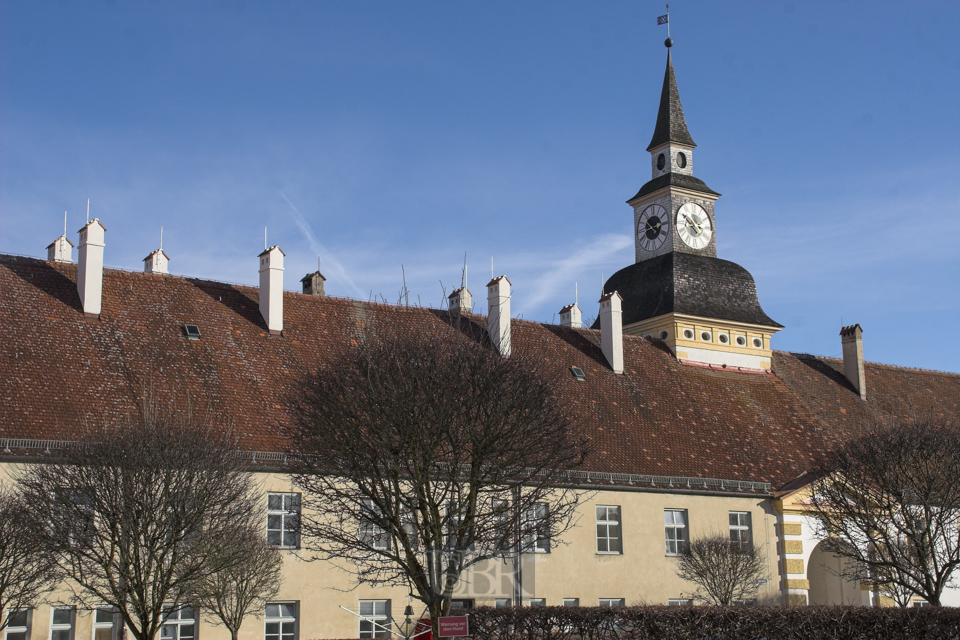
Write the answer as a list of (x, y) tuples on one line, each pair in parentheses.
[(697, 424)]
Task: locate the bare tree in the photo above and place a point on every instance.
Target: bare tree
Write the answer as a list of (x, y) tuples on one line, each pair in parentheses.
[(890, 502), (26, 572), (249, 577), (725, 572), (425, 454), (136, 513)]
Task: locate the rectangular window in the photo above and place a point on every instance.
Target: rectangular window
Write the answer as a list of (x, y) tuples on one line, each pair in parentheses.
[(538, 602), (61, 623), (740, 533), (107, 624), (537, 538), (680, 602), (611, 602), (283, 520), (181, 624), (280, 621), (375, 619), (461, 605), (608, 530), (502, 603), (371, 533), (18, 624), (571, 602), (675, 526)]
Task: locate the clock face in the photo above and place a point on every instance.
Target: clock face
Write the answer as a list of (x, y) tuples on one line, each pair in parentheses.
[(693, 225), (653, 227)]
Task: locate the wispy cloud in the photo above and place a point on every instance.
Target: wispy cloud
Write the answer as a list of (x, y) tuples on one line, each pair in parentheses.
[(326, 258)]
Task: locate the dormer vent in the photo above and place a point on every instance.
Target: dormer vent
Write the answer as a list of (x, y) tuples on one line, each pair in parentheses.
[(156, 262), (570, 316), (313, 284), (192, 331), (460, 301)]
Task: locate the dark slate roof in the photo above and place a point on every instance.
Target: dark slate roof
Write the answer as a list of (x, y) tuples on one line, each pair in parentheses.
[(59, 371), (691, 284), (677, 180), (671, 125)]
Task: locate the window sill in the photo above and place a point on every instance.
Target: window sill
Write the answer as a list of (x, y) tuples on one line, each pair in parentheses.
[(609, 553)]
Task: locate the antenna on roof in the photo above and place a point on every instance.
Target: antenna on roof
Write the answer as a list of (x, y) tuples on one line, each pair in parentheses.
[(463, 278), (161, 237), (318, 264), (88, 210), (264, 237), (64, 223), (576, 294), (491, 267)]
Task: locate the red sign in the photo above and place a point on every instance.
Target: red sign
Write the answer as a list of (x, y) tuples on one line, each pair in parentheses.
[(453, 626)]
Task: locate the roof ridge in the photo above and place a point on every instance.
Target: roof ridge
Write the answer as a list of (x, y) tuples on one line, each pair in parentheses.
[(881, 365)]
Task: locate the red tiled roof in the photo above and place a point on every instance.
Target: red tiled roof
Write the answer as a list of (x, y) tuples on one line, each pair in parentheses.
[(60, 370)]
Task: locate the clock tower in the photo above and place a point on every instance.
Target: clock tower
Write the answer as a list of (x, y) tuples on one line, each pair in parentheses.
[(678, 291)]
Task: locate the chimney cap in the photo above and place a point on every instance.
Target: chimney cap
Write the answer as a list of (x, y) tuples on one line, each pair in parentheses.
[(95, 220), (153, 253), (456, 292), (498, 279), (851, 330), (569, 307), (309, 276), (608, 296), (266, 251), (63, 237)]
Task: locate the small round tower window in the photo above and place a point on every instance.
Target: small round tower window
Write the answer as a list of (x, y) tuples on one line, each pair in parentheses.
[(664, 335), (741, 341), (705, 336), (688, 334), (649, 336), (724, 339), (757, 342), (681, 160), (661, 162)]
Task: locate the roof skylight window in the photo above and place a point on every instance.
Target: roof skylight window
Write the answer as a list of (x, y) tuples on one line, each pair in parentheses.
[(578, 373), (192, 331)]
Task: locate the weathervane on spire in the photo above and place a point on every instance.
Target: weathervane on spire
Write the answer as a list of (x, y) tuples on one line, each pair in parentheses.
[(665, 19)]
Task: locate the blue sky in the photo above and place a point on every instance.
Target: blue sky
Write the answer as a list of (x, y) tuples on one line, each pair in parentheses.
[(375, 135)]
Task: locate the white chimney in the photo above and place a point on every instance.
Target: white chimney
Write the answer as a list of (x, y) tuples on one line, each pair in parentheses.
[(498, 314), (90, 267), (271, 288), (313, 284), (852, 340), (611, 330), (460, 301), (60, 250), (570, 316), (156, 262)]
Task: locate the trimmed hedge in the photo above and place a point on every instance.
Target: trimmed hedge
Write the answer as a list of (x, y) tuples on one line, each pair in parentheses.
[(715, 623)]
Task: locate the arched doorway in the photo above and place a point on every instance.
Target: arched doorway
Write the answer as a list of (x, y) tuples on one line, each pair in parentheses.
[(826, 585)]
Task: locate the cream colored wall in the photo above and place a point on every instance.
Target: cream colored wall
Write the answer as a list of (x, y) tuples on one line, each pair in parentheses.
[(642, 573)]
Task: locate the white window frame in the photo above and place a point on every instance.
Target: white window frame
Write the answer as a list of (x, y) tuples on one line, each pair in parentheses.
[(24, 629), (741, 532), (502, 603), (535, 513), (611, 602), (606, 523), (115, 626), (676, 543), (680, 602), (70, 627), (281, 619), (371, 533), (537, 602), (373, 619), (176, 619), (288, 515), (571, 602)]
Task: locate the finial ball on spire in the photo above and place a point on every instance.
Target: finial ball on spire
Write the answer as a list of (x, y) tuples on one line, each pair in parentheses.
[(668, 43)]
